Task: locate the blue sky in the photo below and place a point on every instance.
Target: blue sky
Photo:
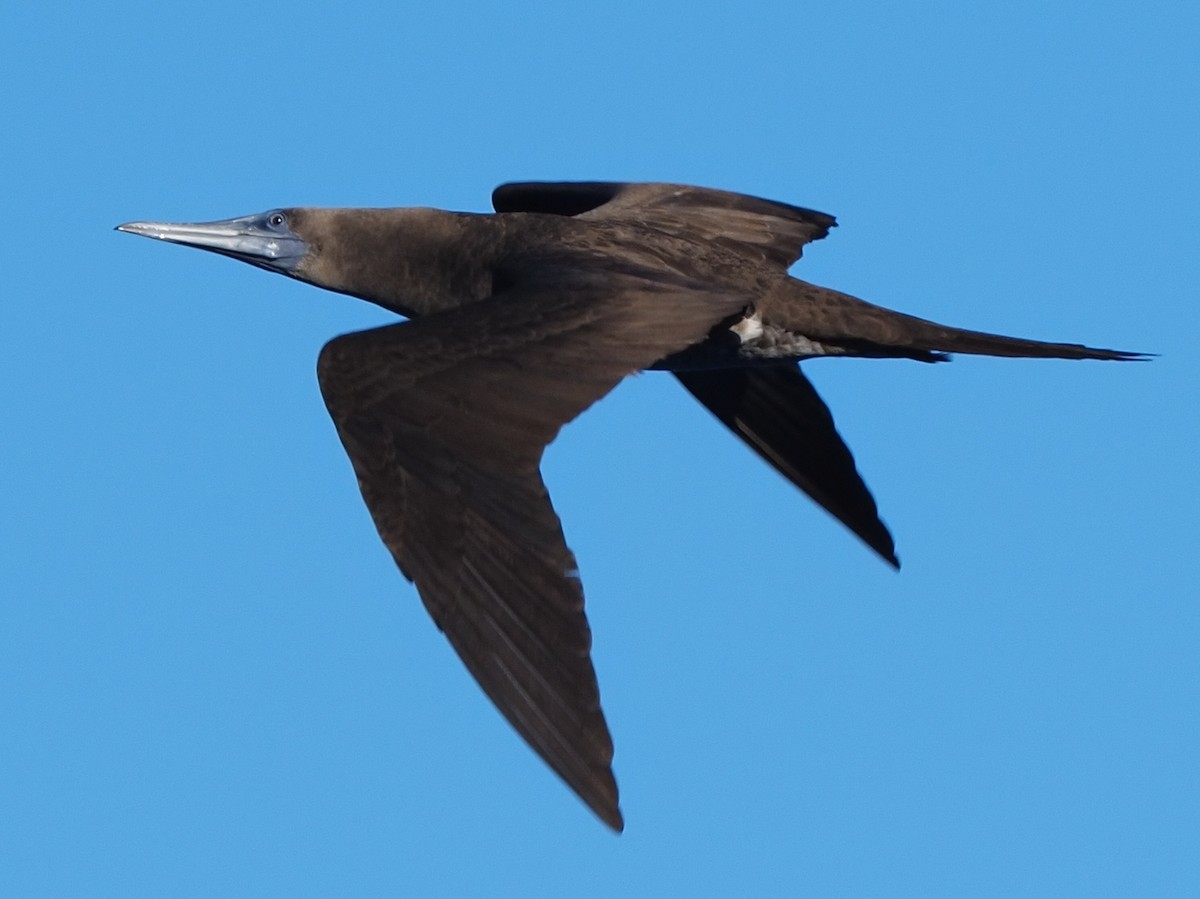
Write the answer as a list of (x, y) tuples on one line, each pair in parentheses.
[(214, 681)]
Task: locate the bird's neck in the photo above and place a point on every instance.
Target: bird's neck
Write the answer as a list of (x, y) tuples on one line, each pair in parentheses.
[(411, 261)]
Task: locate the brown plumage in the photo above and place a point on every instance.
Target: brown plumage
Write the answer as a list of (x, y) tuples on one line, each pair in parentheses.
[(520, 321)]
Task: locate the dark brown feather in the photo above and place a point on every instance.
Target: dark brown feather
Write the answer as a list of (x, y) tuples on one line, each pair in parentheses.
[(863, 329), (779, 415), (524, 319), (445, 420), (768, 230)]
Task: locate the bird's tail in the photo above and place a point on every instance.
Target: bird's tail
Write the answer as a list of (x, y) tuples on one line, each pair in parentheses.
[(863, 329)]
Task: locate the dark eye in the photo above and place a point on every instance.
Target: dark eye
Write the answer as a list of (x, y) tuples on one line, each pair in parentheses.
[(277, 220)]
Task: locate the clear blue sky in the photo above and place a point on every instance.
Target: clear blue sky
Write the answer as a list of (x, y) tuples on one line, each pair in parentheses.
[(214, 682)]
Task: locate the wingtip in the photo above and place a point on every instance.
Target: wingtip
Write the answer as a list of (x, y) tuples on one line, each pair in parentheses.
[(611, 816), (881, 545)]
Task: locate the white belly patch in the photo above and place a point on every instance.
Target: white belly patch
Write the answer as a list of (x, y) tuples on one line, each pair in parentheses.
[(772, 342), (749, 328)]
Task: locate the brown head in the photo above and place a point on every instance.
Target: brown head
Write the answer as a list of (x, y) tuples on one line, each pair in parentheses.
[(410, 260)]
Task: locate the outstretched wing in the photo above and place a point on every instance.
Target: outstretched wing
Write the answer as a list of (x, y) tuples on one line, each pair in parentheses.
[(774, 232), (779, 415), (445, 420)]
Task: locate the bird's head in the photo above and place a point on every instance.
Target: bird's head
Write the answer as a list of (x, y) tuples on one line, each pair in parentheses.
[(273, 240), (403, 259)]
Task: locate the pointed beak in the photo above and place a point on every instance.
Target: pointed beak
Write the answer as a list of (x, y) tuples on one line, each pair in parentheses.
[(264, 240)]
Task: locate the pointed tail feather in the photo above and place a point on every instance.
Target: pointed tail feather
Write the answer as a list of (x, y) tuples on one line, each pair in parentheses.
[(862, 328), (939, 338)]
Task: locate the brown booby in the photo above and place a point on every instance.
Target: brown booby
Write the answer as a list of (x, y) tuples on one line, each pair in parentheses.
[(522, 319)]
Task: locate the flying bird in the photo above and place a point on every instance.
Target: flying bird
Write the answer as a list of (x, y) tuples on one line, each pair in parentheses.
[(520, 320)]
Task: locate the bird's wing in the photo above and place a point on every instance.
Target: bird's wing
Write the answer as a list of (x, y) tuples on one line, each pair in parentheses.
[(776, 411), (445, 419), (771, 231)]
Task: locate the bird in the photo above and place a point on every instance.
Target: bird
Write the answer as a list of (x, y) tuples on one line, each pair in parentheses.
[(518, 321)]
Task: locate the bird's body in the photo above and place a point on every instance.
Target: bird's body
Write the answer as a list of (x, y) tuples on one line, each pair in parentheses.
[(521, 320)]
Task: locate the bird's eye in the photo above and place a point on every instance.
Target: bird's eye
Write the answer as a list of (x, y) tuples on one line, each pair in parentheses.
[(276, 219)]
